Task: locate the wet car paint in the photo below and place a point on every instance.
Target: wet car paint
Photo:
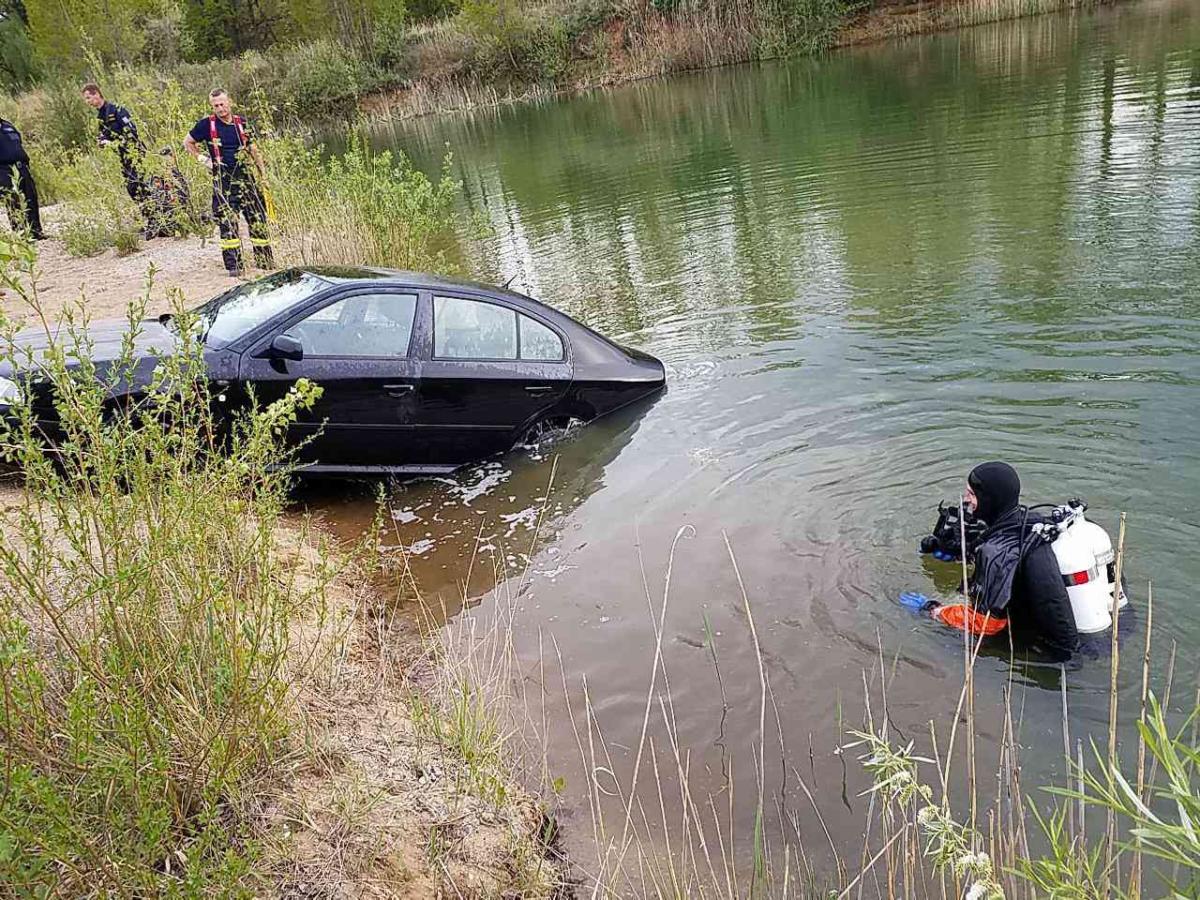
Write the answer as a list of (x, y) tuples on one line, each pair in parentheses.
[(396, 414)]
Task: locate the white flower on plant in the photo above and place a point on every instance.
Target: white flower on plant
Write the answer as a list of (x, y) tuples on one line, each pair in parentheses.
[(977, 891), (970, 862)]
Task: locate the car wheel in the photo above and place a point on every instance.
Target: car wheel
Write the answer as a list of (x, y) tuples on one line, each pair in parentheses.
[(547, 430)]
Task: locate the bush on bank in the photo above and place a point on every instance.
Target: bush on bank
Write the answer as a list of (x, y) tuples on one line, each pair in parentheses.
[(145, 625)]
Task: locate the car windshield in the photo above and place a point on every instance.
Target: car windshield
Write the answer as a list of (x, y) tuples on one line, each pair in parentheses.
[(239, 311)]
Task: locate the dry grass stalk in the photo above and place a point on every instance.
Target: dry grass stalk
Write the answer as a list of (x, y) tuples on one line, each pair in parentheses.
[(969, 664), (1111, 830), (1135, 875)]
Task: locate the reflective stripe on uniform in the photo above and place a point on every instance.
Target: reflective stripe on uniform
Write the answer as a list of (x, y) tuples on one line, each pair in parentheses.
[(230, 243), (260, 242)]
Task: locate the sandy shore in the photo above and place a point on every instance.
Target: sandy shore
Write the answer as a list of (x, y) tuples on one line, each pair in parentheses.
[(107, 283)]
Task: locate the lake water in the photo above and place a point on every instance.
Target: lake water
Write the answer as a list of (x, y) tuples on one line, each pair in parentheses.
[(865, 273)]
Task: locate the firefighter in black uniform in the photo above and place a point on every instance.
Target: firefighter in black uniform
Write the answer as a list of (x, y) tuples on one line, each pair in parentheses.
[(117, 130), (17, 189), (230, 149)]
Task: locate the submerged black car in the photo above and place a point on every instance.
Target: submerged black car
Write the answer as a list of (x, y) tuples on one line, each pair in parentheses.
[(420, 374)]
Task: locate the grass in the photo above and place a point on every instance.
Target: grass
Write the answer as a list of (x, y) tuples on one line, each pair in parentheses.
[(148, 633)]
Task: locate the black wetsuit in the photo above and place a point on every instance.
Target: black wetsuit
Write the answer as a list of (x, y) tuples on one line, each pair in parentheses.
[(1017, 574)]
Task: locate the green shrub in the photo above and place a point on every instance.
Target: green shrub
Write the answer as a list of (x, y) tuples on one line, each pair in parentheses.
[(87, 236), (18, 66), (66, 122), (145, 625), (428, 10), (360, 208), (101, 215), (804, 26), (127, 241)]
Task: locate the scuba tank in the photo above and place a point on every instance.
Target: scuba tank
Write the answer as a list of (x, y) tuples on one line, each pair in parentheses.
[(1087, 563)]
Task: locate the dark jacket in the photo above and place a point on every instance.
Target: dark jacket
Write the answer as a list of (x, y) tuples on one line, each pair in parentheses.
[(117, 125), (1017, 574), (12, 152)]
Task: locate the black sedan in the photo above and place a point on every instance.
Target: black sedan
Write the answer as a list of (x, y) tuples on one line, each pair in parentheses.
[(420, 373)]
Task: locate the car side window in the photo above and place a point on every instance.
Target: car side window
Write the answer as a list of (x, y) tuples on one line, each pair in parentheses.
[(471, 329), (362, 325), (539, 342)]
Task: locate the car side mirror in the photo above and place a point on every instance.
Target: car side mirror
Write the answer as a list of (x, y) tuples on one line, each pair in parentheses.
[(284, 346)]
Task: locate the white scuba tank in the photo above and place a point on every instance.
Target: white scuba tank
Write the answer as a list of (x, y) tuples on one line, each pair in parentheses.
[(1086, 560)]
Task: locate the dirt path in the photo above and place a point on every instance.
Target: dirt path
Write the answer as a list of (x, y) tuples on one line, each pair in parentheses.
[(108, 283)]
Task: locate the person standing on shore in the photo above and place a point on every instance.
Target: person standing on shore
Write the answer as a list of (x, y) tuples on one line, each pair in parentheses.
[(230, 149), (17, 189), (117, 130)]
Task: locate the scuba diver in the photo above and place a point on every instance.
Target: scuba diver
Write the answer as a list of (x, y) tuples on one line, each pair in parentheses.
[(1048, 576)]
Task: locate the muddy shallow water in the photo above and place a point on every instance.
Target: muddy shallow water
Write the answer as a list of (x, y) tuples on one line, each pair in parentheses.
[(865, 273)]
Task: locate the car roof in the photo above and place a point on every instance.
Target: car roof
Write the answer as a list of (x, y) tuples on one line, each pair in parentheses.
[(346, 274)]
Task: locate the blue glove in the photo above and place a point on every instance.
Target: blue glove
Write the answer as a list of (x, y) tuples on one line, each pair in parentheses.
[(943, 556), (916, 601)]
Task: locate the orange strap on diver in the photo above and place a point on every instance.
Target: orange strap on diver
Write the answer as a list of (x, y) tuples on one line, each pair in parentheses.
[(962, 617)]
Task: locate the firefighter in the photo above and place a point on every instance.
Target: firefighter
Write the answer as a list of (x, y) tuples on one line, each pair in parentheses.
[(17, 189), (231, 147), (117, 130)]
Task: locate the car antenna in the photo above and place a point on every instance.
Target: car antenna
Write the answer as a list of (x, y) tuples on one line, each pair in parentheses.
[(510, 281)]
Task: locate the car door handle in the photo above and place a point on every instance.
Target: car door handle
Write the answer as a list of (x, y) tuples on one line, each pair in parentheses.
[(398, 390), (538, 389)]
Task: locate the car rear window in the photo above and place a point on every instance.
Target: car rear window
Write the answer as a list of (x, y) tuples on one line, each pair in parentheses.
[(538, 342), (473, 329)]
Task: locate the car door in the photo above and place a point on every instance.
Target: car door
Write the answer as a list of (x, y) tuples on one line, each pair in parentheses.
[(357, 347), (493, 370)]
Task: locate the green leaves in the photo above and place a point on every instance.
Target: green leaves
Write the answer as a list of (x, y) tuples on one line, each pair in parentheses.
[(145, 623), (362, 207)]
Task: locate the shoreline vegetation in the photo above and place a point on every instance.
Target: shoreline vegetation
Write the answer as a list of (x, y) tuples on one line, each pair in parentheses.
[(202, 702), (298, 74), (402, 59), (202, 695)]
